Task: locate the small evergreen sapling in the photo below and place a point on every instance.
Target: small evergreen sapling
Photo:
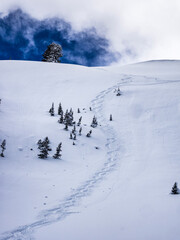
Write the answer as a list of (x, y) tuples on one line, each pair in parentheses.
[(175, 189), (3, 147), (89, 133), (94, 122), (66, 127), (58, 154), (118, 92), (74, 129), (80, 130), (74, 136), (79, 122)]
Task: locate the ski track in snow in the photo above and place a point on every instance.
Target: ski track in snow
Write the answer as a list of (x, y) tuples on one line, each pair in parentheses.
[(65, 208)]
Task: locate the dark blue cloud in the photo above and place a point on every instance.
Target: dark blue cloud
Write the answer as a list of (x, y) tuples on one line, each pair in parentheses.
[(25, 38)]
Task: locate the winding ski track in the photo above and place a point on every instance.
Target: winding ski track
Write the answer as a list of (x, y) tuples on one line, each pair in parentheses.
[(65, 208)]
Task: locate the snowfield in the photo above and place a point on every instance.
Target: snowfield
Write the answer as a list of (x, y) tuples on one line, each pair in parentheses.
[(114, 185)]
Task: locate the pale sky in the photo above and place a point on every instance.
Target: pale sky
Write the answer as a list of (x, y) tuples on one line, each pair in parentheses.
[(149, 28)]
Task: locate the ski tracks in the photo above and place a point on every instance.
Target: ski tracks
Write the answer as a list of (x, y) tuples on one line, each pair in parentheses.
[(65, 207)]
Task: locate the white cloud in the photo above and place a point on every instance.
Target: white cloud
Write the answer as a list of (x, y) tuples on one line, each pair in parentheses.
[(149, 28)]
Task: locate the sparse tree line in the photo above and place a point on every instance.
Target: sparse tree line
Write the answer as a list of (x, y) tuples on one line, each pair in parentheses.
[(67, 119)]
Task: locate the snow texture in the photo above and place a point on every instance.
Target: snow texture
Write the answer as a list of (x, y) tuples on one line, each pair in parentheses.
[(115, 184)]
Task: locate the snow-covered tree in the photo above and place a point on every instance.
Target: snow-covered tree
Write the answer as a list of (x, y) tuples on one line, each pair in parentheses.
[(94, 122), (175, 189), (52, 53), (51, 110), (44, 148), (68, 118), (110, 117), (3, 147), (60, 110), (58, 154), (78, 110), (61, 119)]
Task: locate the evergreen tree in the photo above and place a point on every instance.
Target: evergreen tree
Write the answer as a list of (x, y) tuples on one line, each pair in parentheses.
[(60, 109), (79, 122), (61, 120), (51, 110), (118, 92), (68, 118), (44, 148), (40, 144), (89, 133), (80, 130), (52, 53), (71, 136), (94, 122), (47, 142), (78, 110), (66, 127), (110, 117), (74, 129), (3, 147), (175, 189), (74, 138), (58, 155)]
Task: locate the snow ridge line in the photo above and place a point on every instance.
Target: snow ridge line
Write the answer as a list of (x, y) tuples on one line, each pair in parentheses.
[(64, 209)]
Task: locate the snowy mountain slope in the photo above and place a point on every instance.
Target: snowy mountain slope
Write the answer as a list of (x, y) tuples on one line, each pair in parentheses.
[(120, 190)]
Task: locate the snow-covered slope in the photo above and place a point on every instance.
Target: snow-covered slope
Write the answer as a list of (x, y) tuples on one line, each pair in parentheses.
[(114, 185)]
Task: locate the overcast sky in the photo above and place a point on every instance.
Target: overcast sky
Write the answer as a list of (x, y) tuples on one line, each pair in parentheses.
[(148, 28)]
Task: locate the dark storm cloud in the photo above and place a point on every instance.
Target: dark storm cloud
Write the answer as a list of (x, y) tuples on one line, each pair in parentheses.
[(24, 37)]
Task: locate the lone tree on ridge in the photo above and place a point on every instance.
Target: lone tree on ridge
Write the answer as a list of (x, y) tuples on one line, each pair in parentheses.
[(53, 53)]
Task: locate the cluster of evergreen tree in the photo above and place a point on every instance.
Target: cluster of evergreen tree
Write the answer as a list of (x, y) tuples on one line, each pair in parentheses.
[(67, 119), (44, 148)]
